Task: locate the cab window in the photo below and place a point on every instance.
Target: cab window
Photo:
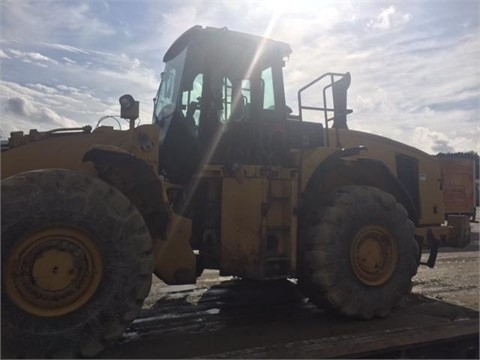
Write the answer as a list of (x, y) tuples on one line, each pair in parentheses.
[(268, 89), (168, 93), (236, 99), (191, 102)]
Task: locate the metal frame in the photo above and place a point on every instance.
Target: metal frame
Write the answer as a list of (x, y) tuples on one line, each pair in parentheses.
[(325, 109)]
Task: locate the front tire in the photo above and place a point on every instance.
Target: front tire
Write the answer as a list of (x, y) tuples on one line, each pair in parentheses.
[(76, 264), (360, 255)]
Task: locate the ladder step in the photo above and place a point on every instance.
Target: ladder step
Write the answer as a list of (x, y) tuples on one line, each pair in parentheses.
[(277, 258), (281, 228), (280, 198)]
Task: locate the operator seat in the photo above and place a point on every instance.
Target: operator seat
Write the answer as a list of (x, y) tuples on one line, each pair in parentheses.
[(189, 117), (239, 110)]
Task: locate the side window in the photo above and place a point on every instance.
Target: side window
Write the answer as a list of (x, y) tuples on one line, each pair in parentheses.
[(190, 104), (268, 89), (168, 92), (246, 90), (236, 97), (165, 95), (191, 100), (227, 99)]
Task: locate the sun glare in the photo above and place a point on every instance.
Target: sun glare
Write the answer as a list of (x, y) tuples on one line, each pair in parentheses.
[(290, 7)]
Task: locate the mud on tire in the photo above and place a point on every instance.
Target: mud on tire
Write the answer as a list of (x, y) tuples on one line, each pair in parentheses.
[(37, 201), (331, 277)]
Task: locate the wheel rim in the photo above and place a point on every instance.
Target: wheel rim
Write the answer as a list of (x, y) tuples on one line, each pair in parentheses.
[(53, 272), (373, 255)]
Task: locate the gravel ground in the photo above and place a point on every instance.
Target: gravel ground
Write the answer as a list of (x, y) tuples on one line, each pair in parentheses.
[(455, 277)]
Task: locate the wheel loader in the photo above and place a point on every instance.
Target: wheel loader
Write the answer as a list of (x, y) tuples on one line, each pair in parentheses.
[(225, 177)]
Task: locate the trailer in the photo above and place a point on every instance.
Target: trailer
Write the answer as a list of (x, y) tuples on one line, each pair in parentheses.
[(225, 317), (460, 176)]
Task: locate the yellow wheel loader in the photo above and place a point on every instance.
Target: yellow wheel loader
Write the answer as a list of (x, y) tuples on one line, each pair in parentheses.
[(224, 178)]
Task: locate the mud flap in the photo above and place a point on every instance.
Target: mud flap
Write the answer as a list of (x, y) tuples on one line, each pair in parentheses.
[(434, 245)]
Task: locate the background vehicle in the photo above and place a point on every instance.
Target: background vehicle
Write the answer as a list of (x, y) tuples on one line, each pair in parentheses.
[(460, 183), (225, 178)]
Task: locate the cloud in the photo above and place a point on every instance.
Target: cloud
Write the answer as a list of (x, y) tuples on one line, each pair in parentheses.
[(58, 18), (414, 71), (68, 48), (68, 60), (23, 110), (432, 140), (42, 88), (441, 146), (31, 57), (389, 18), (36, 106), (3, 55), (18, 106), (68, 88), (94, 81)]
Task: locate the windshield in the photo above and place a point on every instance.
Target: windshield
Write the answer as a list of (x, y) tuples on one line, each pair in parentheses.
[(168, 92)]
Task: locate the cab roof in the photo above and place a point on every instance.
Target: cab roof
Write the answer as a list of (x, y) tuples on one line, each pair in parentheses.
[(227, 41)]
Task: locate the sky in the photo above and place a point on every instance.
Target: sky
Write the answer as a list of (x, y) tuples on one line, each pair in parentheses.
[(415, 65)]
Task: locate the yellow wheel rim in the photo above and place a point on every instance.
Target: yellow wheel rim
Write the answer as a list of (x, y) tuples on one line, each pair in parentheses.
[(373, 255), (53, 272)]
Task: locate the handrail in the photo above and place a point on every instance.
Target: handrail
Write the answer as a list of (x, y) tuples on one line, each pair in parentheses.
[(325, 109), (313, 83), (86, 129)]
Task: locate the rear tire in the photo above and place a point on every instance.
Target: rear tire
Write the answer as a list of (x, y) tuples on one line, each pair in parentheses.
[(360, 254), (76, 264)]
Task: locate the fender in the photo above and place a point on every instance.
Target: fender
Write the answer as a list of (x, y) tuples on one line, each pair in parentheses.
[(136, 180), (335, 171)]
